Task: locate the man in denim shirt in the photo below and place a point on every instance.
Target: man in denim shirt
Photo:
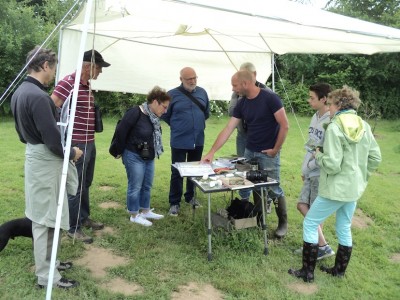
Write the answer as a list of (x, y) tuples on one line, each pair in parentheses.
[(187, 122)]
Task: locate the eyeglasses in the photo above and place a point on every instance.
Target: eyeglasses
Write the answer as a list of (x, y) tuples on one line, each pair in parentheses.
[(191, 78), (164, 106)]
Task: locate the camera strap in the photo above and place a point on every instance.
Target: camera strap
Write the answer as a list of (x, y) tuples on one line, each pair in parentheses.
[(194, 100)]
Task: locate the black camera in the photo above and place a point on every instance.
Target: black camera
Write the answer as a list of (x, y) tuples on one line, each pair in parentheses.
[(257, 175), (144, 150)]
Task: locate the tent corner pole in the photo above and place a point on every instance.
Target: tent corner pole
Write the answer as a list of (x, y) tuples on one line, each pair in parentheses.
[(273, 70), (67, 151)]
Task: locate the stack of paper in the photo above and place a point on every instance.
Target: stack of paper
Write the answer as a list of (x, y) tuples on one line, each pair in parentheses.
[(193, 169)]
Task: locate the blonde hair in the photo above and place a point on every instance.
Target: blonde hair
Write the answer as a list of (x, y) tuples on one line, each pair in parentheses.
[(345, 98), (244, 75)]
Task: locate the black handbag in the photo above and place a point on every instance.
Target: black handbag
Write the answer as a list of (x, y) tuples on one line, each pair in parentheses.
[(98, 121), (113, 146), (113, 150)]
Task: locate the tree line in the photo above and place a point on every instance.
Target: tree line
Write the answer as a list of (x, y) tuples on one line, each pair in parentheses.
[(26, 23)]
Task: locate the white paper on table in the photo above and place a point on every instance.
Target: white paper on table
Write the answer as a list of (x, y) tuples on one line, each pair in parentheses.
[(193, 169)]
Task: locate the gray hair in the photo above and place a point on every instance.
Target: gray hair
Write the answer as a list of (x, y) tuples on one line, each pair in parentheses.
[(38, 56), (248, 66)]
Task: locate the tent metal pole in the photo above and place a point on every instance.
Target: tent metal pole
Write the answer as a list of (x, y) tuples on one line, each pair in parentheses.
[(273, 70), (57, 79), (67, 149)]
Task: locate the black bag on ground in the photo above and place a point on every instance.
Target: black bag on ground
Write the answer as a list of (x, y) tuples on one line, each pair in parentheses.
[(241, 209)]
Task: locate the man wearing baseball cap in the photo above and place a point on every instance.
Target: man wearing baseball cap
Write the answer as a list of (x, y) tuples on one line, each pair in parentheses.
[(83, 136), (95, 57)]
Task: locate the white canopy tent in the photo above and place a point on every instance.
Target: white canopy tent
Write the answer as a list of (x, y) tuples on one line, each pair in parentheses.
[(149, 41)]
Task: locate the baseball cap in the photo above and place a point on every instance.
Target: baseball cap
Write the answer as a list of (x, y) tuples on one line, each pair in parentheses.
[(98, 59)]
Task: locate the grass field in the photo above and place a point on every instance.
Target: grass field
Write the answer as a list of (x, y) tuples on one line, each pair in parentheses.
[(171, 254)]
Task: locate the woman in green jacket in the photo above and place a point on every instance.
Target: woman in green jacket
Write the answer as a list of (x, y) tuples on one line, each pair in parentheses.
[(349, 155)]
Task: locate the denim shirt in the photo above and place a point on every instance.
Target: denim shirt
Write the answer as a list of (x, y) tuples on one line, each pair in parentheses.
[(186, 119)]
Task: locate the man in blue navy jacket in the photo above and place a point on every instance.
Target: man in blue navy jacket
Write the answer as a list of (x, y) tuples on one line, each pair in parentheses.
[(186, 117)]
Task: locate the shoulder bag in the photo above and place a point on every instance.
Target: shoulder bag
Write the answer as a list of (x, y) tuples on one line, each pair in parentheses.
[(194, 100)]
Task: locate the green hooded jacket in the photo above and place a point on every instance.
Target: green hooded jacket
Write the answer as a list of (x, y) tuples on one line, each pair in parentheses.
[(350, 154)]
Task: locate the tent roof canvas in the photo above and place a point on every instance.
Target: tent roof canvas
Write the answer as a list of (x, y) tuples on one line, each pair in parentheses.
[(148, 42)]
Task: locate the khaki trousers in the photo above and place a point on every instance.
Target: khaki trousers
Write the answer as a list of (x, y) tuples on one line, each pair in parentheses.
[(42, 247)]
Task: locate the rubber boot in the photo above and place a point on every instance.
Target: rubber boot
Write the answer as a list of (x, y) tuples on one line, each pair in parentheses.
[(281, 212), (310, 254), (341, 262)]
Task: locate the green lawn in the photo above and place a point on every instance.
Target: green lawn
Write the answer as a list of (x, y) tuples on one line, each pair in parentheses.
[(173, 251)]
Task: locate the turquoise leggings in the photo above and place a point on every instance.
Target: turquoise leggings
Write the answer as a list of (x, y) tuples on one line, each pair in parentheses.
[(321, 209)]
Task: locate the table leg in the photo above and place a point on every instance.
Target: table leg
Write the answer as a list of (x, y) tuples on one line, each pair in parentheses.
[(209, 256), (264, 226), (193, 206)]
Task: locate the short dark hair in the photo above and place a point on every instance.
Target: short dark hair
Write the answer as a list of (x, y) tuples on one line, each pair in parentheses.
[(159, 94), (321, 89), (38, 56)]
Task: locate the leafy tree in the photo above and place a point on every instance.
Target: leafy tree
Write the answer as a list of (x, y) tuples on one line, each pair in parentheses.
[(377, 77), (24, 24)]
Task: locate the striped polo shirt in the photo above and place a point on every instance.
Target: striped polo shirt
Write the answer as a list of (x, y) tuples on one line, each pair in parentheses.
[(84, 116)]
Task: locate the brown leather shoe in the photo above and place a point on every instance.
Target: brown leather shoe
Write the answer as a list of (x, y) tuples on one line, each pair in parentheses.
[(89, 223), (79, 235)]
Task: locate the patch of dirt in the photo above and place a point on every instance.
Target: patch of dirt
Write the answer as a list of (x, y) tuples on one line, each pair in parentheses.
[(304, 288), (105, 230), (104, 259), (395, 258), (106, 188), (360, 220), (98, 268), (193, 291), (111, 204), (119, 285)]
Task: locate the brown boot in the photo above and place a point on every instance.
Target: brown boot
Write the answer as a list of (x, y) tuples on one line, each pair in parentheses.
[(281, 212)]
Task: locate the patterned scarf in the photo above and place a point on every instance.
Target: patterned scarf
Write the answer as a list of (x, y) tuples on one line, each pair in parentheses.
[(158, 147)]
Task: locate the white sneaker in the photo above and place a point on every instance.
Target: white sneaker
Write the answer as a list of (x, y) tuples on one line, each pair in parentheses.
[(151, 215), (140, 220)]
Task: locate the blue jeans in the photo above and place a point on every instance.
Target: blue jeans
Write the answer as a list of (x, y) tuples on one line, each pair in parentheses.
[(176, 183), (140, 175), (79, 209), (241, 138), (272, 165), (321, 209)]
